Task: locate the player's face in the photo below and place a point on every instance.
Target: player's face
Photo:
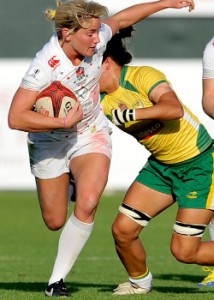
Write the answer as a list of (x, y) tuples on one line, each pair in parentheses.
[(84, 41)]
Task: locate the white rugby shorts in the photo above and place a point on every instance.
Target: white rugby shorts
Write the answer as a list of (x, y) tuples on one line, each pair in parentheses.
[(50, 157)]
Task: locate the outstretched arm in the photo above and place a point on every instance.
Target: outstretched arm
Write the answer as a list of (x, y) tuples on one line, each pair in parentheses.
[(138, 12)]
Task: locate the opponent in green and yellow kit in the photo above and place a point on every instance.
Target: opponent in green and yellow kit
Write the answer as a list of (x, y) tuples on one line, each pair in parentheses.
[(141, 102), (177, 143)]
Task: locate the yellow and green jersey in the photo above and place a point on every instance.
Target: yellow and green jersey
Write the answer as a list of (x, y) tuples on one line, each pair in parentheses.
[(171, 141)]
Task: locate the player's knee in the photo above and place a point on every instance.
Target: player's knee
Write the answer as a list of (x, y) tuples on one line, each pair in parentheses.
[(88, 203), (121, 234), (183, 255), (124, 233), (54, 223)]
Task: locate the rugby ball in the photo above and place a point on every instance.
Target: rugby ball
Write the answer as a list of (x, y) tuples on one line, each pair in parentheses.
[(55, 100)]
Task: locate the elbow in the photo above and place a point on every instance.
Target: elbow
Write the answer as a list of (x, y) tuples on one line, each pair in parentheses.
[(180, 112), (177, 113), (12, 125), (12, 122)]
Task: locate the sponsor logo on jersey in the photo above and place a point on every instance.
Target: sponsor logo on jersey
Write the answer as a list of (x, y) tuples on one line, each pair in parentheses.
[(35, 74), (138, 104), (53, 61), (148, 131)]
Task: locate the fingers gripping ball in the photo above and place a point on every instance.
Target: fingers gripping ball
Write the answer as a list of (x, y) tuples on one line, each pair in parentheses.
[(55, 100), (120, 117)]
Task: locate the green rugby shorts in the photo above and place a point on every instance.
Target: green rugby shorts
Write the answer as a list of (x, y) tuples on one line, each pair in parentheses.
[(191, 183)]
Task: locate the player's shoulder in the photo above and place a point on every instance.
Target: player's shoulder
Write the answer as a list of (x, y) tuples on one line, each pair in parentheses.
[(209, 49), (210, 43), (49, 56), (143, 71), (42, 67)]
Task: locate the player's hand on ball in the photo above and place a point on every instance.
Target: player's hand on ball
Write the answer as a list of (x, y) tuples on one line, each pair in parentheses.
[(120, 117), (74, 116)]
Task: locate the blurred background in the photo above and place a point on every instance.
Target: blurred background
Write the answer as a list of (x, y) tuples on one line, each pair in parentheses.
[(172, 41)]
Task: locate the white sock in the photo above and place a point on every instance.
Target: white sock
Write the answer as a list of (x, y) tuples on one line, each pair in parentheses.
[(145, 282), (72, 240), (211, 230)]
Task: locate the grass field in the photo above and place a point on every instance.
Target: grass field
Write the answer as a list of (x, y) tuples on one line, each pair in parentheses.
[(28, 249)]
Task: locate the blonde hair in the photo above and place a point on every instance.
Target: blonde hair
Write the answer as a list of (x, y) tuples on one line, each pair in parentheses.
[(75, 14)]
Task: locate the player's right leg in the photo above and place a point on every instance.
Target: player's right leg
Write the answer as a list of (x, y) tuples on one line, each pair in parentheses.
[(53, 200), (140, 204)]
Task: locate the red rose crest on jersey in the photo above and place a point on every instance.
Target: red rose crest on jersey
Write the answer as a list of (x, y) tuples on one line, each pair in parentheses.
[(53, 61), (80, 72)]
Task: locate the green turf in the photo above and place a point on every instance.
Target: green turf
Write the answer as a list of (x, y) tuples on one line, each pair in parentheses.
[(28, 248)]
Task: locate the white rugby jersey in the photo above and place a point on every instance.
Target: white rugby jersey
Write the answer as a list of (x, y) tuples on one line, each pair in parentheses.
[(51, 64), (208, 60)]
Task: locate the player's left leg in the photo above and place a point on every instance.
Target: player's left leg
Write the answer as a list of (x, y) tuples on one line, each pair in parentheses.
[(211, 229), (90, 172), (186, 243), (194, 189), (208, 281), (89, 165)]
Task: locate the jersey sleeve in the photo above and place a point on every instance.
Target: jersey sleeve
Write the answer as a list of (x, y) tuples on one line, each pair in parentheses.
[(36, 77), (208, 60), (105, 32), (149, 79)]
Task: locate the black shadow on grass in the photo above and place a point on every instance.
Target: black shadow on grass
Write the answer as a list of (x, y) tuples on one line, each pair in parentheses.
[(180, 277), (106, 288), (41, 286), (182, 290)]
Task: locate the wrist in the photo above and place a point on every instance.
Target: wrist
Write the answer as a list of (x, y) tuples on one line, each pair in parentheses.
[(120, 117), (64, 123), (129, 115)]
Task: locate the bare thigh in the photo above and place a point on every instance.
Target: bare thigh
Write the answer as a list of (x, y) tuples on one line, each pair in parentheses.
[(90, 172), (147, 200), (53, 200), (143, 199)]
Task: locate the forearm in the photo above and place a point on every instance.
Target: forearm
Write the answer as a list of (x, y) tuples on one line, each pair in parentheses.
[(159, 112), (34, 122), (138, 12), (165, 112)]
